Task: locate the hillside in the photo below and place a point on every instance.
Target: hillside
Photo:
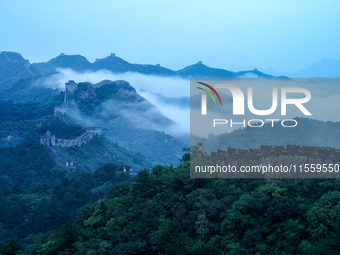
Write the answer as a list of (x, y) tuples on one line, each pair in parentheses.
[(13, 67), (126, 118), (21, 122), (308, 132), (25, 90), (118, 65), (201, 70), (76, 62), (36, 196), (102, 150), (167, 212), (24, 122), (46, 209)]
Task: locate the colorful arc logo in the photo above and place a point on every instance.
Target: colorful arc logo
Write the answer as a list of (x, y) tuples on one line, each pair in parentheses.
[(213, 90)]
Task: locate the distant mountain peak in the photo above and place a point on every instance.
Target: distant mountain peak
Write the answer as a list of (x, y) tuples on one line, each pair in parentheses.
[(104, 82), (13, 57), (201, 70), (14, 67), (326, 68), (118, 65), (65, 56), (111, 58), (75, 62)]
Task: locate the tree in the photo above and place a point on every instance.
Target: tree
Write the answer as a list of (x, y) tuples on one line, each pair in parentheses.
[(10, 248), (324, 214)]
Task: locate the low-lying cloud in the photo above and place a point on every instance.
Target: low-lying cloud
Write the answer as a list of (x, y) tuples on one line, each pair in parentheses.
[(148, 86)]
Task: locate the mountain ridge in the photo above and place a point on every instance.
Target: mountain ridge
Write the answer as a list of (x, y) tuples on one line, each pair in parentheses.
[(325, 68), (118, 65), (14, 67)]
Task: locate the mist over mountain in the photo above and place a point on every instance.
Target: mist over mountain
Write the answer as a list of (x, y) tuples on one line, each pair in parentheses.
[(138, 108), (126, 118), (37, 88), (181, 102)]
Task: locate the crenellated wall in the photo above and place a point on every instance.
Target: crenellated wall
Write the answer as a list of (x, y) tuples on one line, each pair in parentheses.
[(274, 155), (70, 87), (59, 158), (90, 133)]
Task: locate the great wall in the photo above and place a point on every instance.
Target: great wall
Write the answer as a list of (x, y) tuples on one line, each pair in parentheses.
[(70, 87), (50, 141), (270, 155), (90, 133)]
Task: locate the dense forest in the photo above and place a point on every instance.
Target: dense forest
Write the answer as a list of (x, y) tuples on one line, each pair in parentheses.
[(47, 210), (37, 201), (164, 211)]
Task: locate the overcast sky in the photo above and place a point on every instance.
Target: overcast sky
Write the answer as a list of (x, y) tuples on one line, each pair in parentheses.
[(280, 34)]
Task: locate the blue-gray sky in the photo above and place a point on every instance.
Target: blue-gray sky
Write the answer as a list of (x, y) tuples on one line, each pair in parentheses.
[(280, 34)]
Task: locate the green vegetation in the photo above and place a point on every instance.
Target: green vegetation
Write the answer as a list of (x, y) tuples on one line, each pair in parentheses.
[(24, 111), (14, 131), (14, 69), (36, 205), (102, 150), (126, 118), (45, 209), (166, 212), (27, 165), (29, 90), (10, 248), (158, 147), (27, 121), (106, 92)]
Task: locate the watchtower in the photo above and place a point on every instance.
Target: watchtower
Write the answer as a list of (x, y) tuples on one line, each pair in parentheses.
[(71, 86), (47, 139)]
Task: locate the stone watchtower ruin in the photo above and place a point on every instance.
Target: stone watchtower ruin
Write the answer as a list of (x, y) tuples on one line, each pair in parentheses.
[(70, 87), (47, 139)]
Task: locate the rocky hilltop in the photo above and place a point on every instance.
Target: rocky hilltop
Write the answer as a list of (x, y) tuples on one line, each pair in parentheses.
[(13, 67)]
